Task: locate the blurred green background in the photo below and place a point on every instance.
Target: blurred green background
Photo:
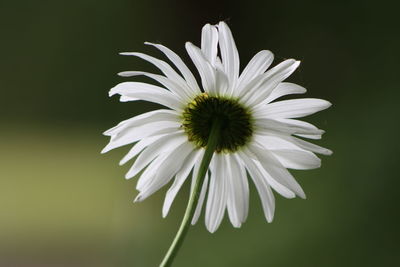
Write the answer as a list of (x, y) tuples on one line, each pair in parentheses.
[(64, 204)]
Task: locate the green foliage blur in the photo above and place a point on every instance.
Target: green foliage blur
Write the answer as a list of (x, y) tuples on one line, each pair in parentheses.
[(64, 204)]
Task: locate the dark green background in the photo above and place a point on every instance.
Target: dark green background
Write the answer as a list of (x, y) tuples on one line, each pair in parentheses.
[(64, 204)]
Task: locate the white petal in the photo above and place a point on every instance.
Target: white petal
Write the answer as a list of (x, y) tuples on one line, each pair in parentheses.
[(276, 170), (265, 126), (311, 147), (161, 65), (295, 108), (149, 173), (230, 189), (134, 134), (148, 117), (209, 42), (175, 88), (238, 191), (203, 192), (187, 74), (317, 133), (222, 83), (257, 65), (217, 195), (272, 142), (138, 147), (162, 145), (280, 189), (205, 69), (133, 91), (166, 171), (297, 159), (270, 81), (180, 179), (283, 89), (289, 142), (263, 188), (229, 53)]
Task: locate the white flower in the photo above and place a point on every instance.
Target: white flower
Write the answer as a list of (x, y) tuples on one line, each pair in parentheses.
[(260, 136)]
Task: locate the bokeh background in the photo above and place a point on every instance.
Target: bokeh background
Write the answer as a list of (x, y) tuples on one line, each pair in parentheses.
[(64, 204)]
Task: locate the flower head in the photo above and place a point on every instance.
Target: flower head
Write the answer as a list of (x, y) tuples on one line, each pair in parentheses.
[(259, 137)]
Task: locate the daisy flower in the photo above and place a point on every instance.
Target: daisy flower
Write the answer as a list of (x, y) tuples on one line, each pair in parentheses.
[(256, 137)]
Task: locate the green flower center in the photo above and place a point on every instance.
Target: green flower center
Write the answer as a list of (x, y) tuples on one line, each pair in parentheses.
[(236, 122)]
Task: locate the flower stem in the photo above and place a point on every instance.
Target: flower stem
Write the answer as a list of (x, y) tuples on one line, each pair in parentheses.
[(194, 196)]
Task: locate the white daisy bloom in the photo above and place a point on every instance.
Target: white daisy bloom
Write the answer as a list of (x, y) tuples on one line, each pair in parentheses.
[(260, 138)]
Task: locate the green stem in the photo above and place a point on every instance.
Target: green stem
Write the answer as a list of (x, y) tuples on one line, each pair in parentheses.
[(194, 196)]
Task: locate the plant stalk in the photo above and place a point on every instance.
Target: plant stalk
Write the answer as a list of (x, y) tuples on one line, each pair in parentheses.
[(194, 196)]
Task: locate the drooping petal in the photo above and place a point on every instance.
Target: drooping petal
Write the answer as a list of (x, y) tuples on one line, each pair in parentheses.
[(180, 178), (231, 190), (166, 171), (263, 188), (217, 195), (138, 147), (276, 170), (132, 135), (202, 196), (162, 145), (133, 91), (238, 191), (177, 61)]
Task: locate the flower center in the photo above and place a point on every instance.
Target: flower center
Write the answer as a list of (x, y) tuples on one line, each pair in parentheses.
[(236, 122)]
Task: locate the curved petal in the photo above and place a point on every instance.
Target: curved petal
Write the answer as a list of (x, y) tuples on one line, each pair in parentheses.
[(209, 43), (297, 159), (309, 146), (171, 165), (138, 147), (162, 145), (161, 65), (270, 81), (180, 178), (229, 53), (148, 117), (172, 86), (177, 61), (134, 134), (203, 192), (205, 69), (276, 170), (257, 65), (265, 126), (263, 188), (133, 91), (283, 89)]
